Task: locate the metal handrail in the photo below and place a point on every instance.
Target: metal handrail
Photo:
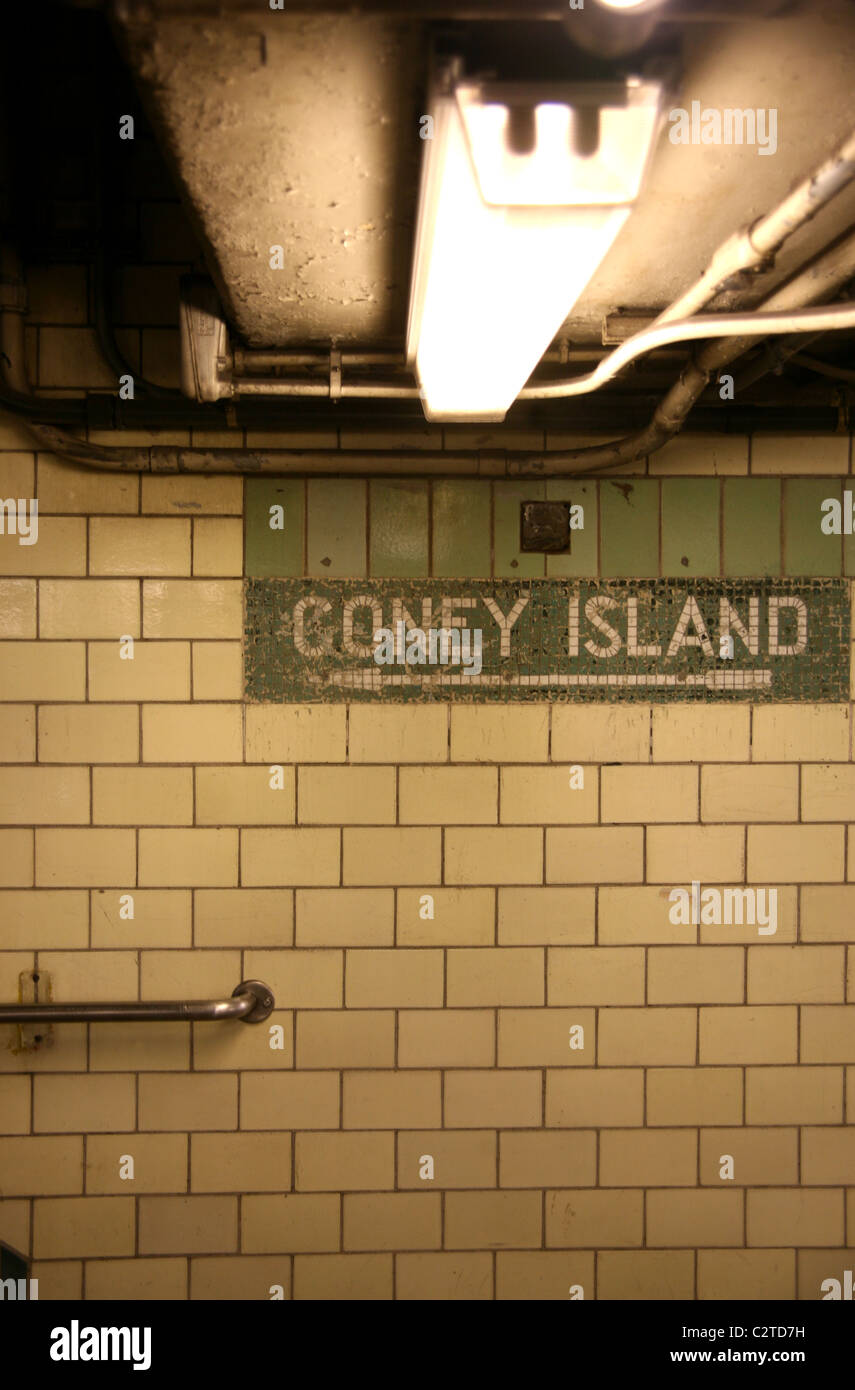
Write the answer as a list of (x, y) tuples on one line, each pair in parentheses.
[(252, 1002)]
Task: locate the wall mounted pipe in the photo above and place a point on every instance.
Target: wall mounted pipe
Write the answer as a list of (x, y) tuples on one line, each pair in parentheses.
[(650, 339), (736, 331), (250, 359), (750, 325), (245, 361), (591, 414), (814, 283), (772, 358), (751, 248), (829, 369)]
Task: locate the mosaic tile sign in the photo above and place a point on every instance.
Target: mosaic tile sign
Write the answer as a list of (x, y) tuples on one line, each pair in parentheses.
[(488, 640)]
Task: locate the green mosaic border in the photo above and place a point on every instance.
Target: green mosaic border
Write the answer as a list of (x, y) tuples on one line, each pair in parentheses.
[(538, 664)]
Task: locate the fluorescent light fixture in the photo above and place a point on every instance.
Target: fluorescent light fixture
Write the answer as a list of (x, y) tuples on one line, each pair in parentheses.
[(625, 4), (507, 241), (630, 6)]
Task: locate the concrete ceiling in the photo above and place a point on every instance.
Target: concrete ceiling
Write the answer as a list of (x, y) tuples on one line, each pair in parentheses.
[(301, 131)]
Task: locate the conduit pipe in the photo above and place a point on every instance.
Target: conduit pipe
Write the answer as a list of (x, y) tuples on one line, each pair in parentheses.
[(778, 316), (817, 281), (246, 361), (757, 324), (753, 324), (751, 248), (772, 358), (829, 369)]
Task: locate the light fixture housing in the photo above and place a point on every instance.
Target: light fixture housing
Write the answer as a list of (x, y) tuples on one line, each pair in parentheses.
[(507, 238), (630, 6)]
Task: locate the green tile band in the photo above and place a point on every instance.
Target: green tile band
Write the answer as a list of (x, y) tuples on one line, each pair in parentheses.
[(509, 560), (470, 528), (629, 526), (398, 528), (690, 526), (752, 526), (275, 524), (807, 549), (336, 526), (582, 559), (461, 528)]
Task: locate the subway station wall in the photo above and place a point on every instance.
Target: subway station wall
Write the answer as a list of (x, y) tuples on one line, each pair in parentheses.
[(508, 1059)]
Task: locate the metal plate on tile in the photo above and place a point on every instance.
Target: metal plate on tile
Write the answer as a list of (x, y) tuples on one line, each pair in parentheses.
[(545, 527), (488, 640)]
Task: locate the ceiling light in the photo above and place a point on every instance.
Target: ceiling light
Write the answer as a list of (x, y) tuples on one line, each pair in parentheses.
[(630, 5), (506, 241)]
